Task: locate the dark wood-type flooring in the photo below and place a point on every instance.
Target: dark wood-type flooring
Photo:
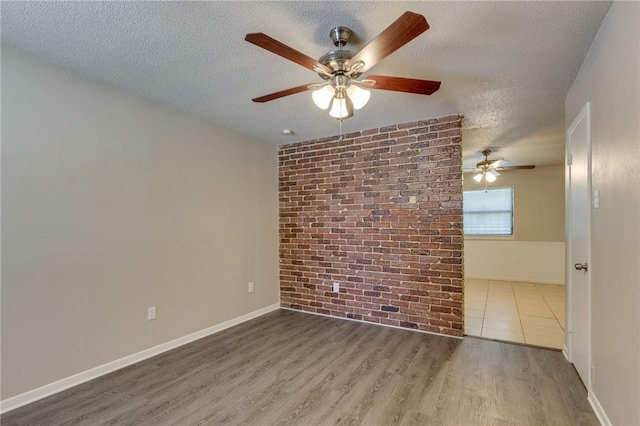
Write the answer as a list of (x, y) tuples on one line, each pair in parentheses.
[(290, 368)]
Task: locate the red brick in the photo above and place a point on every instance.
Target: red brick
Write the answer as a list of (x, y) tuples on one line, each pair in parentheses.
[(380, 213)]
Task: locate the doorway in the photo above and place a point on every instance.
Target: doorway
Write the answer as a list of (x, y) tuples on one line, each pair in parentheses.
[(515, 281)]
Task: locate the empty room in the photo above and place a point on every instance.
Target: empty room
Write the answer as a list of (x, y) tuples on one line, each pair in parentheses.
[(320, 213)]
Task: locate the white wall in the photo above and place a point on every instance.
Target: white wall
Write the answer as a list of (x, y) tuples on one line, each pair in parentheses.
[(523, 261), (610, 79), (112, 204)]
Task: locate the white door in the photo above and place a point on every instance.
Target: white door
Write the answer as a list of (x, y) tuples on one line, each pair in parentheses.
[(579, 285)]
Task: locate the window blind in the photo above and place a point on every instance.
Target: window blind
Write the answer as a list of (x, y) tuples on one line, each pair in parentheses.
[(488, 211)]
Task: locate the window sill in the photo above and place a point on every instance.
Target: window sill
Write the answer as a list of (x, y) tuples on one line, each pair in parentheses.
[(490, 237)]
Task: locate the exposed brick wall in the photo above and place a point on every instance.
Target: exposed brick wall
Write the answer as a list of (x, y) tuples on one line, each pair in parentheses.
[(379, 212)]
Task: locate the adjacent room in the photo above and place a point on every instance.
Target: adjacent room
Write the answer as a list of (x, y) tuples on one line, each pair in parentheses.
[(515, 255), (306, 213)]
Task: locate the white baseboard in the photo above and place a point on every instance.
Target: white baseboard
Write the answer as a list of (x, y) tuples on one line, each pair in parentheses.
[(372, 323), (597, 408), (68, 382), (517, 279), (593, 401)]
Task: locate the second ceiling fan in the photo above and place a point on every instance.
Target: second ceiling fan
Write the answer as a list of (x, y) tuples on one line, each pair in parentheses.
[(343, 91), (489, 168)]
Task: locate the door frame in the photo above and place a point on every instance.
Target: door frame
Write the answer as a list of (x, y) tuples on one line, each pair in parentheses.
[(584, 114)]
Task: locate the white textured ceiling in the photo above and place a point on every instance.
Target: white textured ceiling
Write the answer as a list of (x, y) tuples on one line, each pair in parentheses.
[(505, 66)]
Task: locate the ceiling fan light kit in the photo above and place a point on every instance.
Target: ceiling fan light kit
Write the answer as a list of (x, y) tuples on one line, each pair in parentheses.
[(342, 96), (342, 92), (489, 176)]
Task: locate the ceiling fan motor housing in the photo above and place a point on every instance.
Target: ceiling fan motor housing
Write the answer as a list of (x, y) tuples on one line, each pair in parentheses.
[(486, 163), (337, 60)]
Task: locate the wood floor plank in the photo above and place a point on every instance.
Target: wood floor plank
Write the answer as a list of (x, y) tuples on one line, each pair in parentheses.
[(290, 368)]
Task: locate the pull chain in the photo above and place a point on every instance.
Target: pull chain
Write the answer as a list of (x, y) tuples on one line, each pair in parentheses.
[(341, 138)]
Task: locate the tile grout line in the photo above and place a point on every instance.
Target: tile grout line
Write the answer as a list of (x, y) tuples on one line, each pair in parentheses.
[(484, 310), (511, 290), (552, 311), (524, 337)]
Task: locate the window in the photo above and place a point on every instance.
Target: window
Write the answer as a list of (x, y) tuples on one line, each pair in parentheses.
[(488, 211)]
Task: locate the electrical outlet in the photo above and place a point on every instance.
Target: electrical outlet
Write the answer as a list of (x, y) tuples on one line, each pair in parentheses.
[(250, 287), (336, 287), (151, 313)]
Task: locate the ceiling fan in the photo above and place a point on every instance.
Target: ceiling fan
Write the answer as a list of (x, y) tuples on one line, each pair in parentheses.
[(342, 90), (489, 168)]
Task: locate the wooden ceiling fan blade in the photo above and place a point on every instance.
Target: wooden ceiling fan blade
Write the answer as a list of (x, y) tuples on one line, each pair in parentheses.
[(407, 27), (507, 168), (282, 93), (281, 49), (400, 84)]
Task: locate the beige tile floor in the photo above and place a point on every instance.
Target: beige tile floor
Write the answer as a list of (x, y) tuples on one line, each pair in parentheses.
[(515, 312)]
